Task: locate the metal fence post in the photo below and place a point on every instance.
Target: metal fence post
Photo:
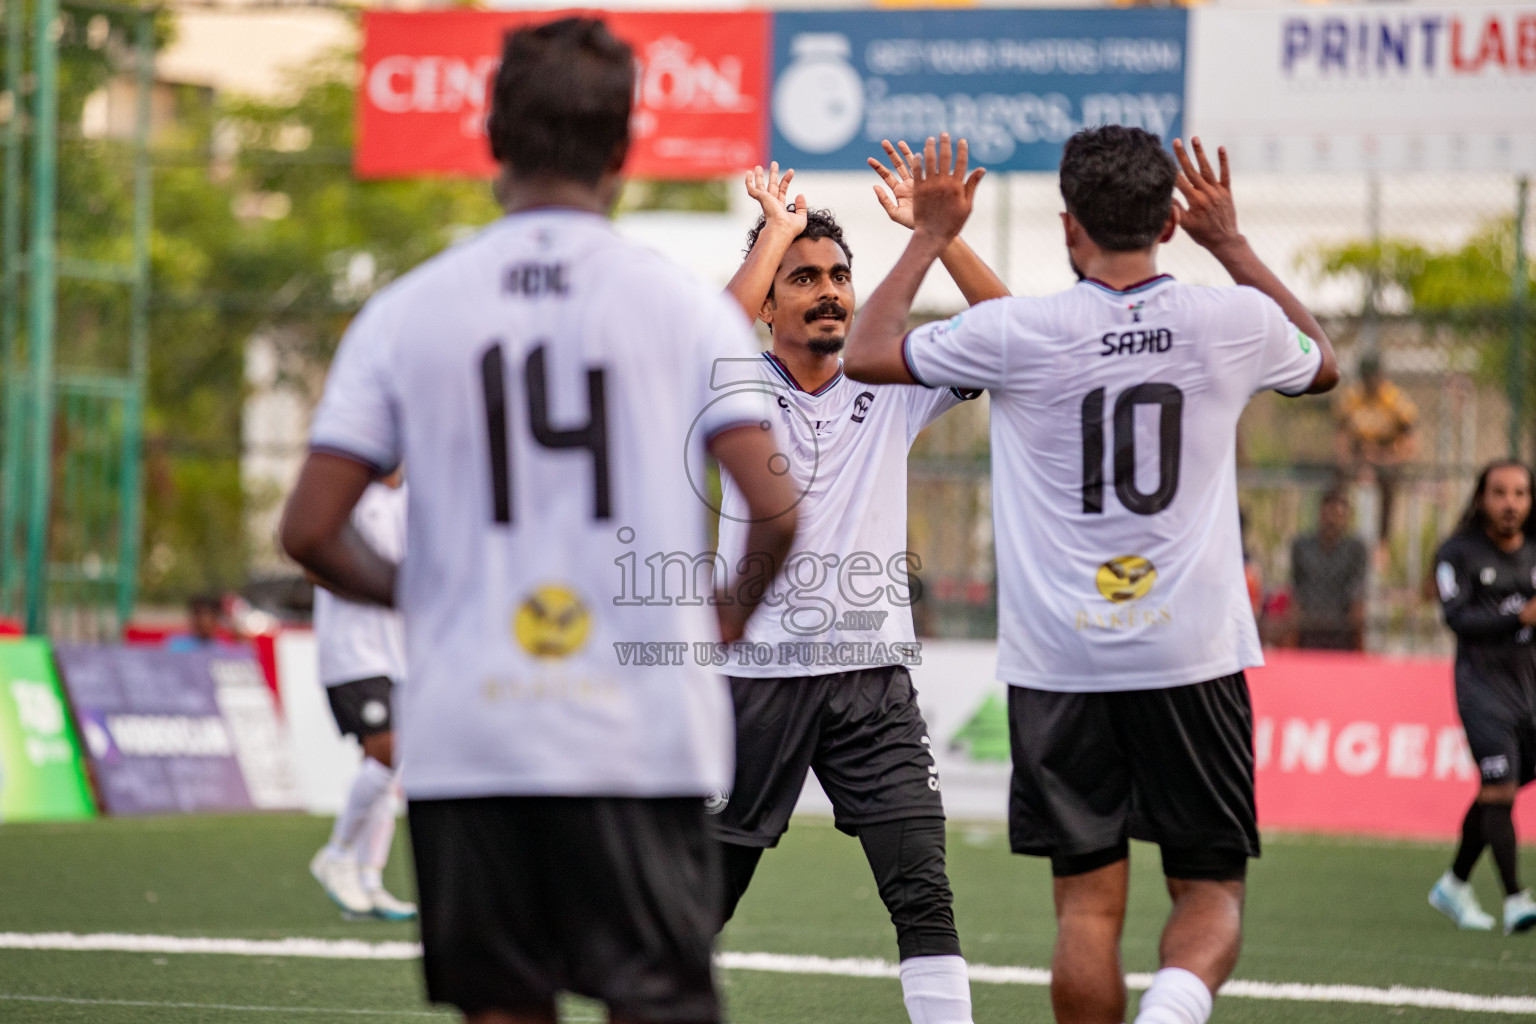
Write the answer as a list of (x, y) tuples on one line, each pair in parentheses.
[(1519, 285), (41, 312), (129, 497), (1370, 326), (10, 305)]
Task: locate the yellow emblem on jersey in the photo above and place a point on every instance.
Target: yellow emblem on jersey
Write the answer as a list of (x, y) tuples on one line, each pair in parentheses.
[(552, 622), (1126, 578)]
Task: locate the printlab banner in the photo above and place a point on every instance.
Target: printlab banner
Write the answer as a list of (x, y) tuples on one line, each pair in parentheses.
[(1392, 87), (700, 90), (1016, 84), (1344, 743), (179, 731), (42, 776)]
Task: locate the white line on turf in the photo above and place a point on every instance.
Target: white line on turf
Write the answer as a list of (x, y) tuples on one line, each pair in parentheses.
[(112, 942), (69, 1001), (354, 1012), (1397, 995), (779, 963)]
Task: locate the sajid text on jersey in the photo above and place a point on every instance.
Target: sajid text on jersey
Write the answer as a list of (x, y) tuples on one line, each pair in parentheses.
[(549, 386), (1114, 417)]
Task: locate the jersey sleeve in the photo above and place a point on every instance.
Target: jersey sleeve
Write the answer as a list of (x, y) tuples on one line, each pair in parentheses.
[(358, 415), (924, 405), (728, 365), (1289, 360), (1453, 579), (966, 351)]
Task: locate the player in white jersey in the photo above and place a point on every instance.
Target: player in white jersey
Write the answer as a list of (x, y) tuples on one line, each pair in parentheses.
[(549, 384), (362, 658), (821, 683), (1124, 625)]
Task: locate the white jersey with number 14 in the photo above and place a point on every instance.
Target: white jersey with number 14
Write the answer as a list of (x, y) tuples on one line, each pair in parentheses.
[(548, 385)]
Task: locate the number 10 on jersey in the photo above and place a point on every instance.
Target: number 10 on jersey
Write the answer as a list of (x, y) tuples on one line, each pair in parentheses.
[(1170, 432)]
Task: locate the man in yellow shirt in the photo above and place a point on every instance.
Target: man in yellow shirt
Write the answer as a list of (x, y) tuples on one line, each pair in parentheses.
[(1375, 437)]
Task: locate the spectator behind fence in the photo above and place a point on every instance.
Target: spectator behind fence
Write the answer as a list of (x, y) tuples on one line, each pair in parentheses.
[(205, 625), (1375, 437), (1328, 581)]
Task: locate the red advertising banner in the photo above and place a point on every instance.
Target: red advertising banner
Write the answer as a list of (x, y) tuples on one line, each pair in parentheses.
[(1360, 744), (701, 91)]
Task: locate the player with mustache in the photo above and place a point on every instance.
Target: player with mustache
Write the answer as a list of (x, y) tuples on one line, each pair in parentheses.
[(836, 696)]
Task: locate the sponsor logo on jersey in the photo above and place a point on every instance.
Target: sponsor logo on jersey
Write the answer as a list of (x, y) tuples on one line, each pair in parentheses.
[(1135, 309), (1127, 578), (861, 404), (1304, 341), (1488, 575), (552, 622)]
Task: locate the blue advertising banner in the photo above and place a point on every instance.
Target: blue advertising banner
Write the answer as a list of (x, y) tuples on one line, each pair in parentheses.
[(178, 731), (1016, 84)]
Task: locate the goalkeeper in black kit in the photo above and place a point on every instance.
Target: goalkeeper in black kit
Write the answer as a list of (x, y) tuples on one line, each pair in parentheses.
[(1486, 575)]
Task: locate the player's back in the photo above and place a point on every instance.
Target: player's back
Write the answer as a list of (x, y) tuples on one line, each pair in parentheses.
[(548, 384), (1114, 455)]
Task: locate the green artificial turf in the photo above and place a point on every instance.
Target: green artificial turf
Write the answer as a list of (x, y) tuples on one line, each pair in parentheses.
[(1321, 911)]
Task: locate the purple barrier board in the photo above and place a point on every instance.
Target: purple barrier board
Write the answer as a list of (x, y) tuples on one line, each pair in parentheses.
[(176, 732)]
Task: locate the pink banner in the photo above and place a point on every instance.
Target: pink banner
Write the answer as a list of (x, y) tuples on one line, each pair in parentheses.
[(1360, 744)]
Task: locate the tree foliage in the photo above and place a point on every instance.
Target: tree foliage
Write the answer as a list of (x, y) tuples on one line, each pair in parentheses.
[(261, 229), (1473, 280)]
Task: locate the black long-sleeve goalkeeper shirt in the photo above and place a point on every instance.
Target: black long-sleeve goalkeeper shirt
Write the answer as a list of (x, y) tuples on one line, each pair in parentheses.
[(1482, 589)]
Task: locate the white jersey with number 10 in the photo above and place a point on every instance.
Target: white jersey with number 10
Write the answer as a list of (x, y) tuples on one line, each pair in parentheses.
[(1114, 427), (548, 385)]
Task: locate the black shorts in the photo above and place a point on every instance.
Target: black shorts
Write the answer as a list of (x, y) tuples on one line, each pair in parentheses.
[(522, 898), (1171, 766), (363, 707), (1500, 722), (860, 732)]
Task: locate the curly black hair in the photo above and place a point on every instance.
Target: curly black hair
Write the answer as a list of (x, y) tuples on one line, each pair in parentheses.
[(1118, 184), (818, 224)]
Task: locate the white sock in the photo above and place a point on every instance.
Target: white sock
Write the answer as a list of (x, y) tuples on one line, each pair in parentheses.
[(936, 989), (1176, 997), (372, 782), (378, 837)]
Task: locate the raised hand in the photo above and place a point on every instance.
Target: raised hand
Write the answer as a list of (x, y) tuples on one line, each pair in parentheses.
[(1209, 216), (942, 192), (771, 192), (898, 179)]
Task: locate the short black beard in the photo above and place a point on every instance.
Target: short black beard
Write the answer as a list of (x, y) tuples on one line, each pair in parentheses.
[(825, 346)]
